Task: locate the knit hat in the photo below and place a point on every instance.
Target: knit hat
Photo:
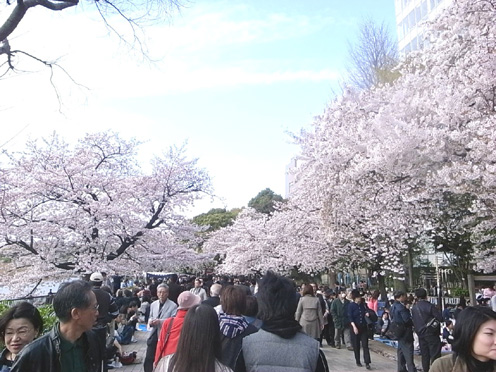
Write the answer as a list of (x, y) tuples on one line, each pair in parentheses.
[(187, 300)]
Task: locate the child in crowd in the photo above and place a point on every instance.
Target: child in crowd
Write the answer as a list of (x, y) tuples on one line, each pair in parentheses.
[(126, 325), (384, 323)]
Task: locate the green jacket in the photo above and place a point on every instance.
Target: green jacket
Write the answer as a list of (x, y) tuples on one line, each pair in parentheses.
[(339, 313)]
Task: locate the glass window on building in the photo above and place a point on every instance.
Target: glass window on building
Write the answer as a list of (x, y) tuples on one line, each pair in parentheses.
[(411, 19), (408, 48), (401, 31), (424, 10), (418, 14), (414, 44)]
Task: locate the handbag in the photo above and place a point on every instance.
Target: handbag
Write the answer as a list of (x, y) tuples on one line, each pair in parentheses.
[(372, 318), (433, 324), (162, 363), (395, 331)]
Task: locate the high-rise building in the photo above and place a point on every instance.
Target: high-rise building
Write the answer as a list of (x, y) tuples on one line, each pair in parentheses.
[(409, 17), (290, 177)]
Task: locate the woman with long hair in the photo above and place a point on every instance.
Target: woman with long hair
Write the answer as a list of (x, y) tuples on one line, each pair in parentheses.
[(474, 345), (199, 347)]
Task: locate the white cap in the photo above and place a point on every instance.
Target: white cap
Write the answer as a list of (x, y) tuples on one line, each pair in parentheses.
[(96, 277)]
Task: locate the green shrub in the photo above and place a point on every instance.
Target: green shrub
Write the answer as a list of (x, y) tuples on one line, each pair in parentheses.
[(48, 315), (459, 292), (4, 306)]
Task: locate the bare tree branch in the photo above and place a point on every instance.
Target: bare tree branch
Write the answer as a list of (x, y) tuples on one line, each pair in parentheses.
[(373, 57), (22, 7)]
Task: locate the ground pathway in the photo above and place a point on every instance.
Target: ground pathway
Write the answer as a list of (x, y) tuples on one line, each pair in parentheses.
[(383, 357)]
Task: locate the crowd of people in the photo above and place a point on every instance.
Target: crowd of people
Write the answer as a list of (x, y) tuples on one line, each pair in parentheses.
[(220, 325)]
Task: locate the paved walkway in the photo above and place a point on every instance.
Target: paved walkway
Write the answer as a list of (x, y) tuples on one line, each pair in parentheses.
[(383, 357), (140, 348), (343, 360)]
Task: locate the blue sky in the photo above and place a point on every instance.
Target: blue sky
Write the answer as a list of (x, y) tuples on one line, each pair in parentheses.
[(230, 77)]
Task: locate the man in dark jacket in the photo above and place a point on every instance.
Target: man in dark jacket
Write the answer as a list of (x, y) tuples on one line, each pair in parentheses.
[(424, 312), (174, 288), (339, 311), (71, 345), (357, 313), (107, 308), (214, 299), (400, 314)]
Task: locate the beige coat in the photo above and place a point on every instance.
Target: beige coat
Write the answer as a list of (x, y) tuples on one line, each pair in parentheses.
[(309, 315), (445, 364)]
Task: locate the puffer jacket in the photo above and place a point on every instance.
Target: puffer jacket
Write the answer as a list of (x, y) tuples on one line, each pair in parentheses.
[(43, 354), (267, 352)]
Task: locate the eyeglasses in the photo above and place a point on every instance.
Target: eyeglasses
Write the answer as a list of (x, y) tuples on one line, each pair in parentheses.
[(96, 306), (21, 332)]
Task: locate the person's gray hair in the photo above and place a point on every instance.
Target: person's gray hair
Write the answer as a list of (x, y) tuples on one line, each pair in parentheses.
[(163, 285), (215, 290)]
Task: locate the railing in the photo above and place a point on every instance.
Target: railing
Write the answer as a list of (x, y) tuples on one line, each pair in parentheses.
[(35, 300)]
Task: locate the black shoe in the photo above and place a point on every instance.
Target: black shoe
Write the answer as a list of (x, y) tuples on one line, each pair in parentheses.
[(359, 365), (367, 366)]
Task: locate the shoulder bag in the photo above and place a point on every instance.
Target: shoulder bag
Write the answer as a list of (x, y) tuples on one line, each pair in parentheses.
[(162, 365), (432, 324), (395, 330)]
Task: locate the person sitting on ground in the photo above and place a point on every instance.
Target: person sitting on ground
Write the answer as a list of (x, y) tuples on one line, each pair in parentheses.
[(262, 351), (448, 312), (19, 325), (384, 323), (474, 343), (126, 326), (448, 332)]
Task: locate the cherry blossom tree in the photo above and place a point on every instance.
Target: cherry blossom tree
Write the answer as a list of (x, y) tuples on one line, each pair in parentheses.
[(377, 165), (289, 239), (89, 206), (378, 162)]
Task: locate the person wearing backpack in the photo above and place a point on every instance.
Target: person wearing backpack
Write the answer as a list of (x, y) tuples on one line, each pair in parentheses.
[(427, 322), (400, 314)]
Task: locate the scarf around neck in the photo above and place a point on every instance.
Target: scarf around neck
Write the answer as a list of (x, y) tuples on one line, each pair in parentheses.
[(285, 328)]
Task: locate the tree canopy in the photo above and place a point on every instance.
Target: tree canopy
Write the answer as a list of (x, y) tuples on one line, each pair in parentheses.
[(216, 218), (265, 201), (88, 206)]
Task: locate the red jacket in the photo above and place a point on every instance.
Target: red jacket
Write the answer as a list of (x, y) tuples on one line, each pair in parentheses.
[(171, 345)]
